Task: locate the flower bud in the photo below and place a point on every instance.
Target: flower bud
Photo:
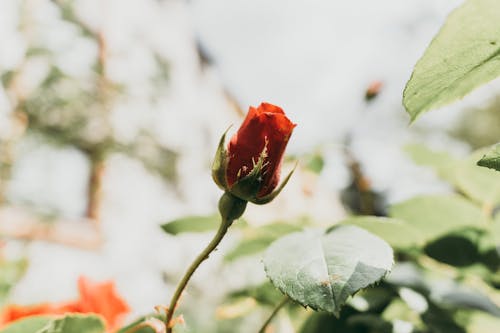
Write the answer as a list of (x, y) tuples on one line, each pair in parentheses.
[(250, 167)]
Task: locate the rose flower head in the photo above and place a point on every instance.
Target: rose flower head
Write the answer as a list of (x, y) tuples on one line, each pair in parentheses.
[(250, 167)]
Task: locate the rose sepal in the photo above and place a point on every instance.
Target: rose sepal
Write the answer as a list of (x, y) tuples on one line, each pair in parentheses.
[(219, 166), (270, 197)]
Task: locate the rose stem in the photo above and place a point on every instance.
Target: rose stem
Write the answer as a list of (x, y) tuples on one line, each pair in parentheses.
[(225, 224), (274, 313)]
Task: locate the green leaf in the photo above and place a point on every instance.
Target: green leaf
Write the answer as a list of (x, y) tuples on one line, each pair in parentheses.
[(480, 184), (192, 224), (422, 155), (399, 310), (372, 299), (483, 323), (265, 294), (322, 269), (248, 247), (352, 322), (495, 229), (258, 239), (460, 248), (395, 232), (408, 275), (10, 273), (437, 215), (75, 324), (442, 162), (324, 323), (491, 159), (315, 162), (464, 54), (440, 321), (277, 229), (491, 256), (464, 298), (236, 308), (27, 325), (369, 322)]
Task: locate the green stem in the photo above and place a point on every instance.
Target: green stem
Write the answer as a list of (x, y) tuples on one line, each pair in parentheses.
[(225, 224), (285, 300)]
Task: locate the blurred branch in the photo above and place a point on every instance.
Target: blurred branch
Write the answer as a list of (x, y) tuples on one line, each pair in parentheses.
[(233, 103), (206, 61), (104, 91), (359, 195), (280, 305), (363, 186), (66, 111), (17, 223), (68, 14), (19, 123), (153, 156), (95, 190)]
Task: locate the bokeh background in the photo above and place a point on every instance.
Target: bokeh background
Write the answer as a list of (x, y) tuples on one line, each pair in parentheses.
[(110, 113)]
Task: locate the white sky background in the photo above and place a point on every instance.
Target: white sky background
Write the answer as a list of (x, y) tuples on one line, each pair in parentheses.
[(317, 57), (314, 58)]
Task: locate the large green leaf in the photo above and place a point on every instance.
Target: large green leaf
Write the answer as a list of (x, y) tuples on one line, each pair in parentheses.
[(491, 159), (321, 270), (464, 54), (437, 215), (395, 232), (28, 325)]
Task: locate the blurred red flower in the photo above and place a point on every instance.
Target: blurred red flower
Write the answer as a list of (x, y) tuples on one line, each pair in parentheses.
[(373, 90), (266, 129), (98, 298)]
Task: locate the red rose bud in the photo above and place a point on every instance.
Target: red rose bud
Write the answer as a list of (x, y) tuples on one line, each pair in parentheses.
[(249, 168)]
